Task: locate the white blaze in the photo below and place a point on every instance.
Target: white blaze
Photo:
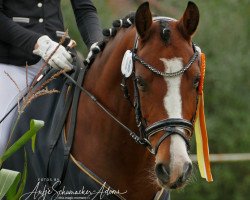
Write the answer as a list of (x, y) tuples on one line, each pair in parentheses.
[(173, 106), (172, 100)]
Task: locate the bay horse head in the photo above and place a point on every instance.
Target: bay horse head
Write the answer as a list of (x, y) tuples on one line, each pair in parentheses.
[(167, 75), (160, 78)]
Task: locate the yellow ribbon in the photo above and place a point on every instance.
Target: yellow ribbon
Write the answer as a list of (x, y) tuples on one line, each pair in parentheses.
[(201, 131)]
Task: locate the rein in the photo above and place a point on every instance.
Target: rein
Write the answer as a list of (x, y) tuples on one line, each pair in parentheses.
[(94, 99)]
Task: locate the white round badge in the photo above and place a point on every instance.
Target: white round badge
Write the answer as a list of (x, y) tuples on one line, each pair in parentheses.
[(127, 64)]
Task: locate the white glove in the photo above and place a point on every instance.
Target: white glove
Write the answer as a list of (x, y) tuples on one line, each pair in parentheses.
[(61, 59)]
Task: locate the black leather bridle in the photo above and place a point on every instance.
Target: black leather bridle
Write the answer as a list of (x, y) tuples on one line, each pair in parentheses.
[(170, 126)]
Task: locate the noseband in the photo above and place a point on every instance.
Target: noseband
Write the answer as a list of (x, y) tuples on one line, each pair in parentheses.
[(170, 126)]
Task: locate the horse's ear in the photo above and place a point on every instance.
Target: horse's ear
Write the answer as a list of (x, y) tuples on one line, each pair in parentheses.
[(189, 21), (143, 20)]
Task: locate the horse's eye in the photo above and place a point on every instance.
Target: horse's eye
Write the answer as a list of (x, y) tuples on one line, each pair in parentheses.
[(196, 82), (141, 83)]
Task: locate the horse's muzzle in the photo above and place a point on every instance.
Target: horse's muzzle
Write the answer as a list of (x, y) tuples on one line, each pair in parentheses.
[(163, 174)]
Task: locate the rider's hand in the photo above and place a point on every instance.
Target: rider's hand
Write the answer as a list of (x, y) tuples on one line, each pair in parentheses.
[(61, 59)]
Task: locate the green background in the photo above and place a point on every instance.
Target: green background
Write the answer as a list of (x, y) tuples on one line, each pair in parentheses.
[(223, 34)]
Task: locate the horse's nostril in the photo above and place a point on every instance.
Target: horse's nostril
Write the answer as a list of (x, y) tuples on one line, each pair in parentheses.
[(187, 169), (162, 169), (162, 172)]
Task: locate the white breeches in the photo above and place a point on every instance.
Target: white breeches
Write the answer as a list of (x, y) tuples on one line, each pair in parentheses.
[(10, 94)]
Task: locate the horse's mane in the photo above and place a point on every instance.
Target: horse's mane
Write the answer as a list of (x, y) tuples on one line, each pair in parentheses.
[(125, 22), (109, 33)]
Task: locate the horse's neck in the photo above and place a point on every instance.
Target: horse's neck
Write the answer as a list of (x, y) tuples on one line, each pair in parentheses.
[(100, 143)]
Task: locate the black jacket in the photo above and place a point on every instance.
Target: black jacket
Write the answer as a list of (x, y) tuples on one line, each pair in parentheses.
[(23, 22)]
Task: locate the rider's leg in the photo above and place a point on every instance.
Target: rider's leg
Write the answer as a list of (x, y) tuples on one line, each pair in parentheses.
[(10, 94)]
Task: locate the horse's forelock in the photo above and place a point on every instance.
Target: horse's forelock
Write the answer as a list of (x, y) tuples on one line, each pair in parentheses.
[(165, 30)]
